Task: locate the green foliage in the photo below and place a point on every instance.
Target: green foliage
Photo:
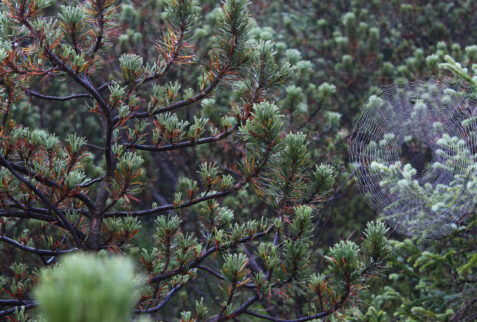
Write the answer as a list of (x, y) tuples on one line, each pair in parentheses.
[(234, 268), (345, 264), (430, 281), (131, 67), (233, 22), (375, 245), (83, 285)]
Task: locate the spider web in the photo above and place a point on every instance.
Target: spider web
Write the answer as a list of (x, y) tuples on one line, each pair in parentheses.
[(414, 148)]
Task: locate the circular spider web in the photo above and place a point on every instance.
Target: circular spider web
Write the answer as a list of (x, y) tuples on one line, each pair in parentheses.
[(414, 149)]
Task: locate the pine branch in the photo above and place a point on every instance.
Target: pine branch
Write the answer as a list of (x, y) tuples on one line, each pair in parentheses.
[(242, 308), (186, 204), (13, 302), (91, 182), (45, 200), (170, 107), (170, 61), (36, 250), (211, 271), (220, 276), (264, 159), (207, 253), (108, 127), (184, 144), (101, 22), (56, 98), (163, 302), (28, 306), (51, 183), (85, 82), (320, 315), (27, 214)]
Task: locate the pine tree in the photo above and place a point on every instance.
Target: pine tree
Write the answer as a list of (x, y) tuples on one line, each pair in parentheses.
[(79, 175)]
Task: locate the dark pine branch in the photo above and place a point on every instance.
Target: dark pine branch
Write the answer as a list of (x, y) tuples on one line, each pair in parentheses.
[(14, 302), (36, 250), (167, 108), (45, 200), (51, 183), (167, 207), (56, 98), (163, 302), (28, 306), (183, 144)]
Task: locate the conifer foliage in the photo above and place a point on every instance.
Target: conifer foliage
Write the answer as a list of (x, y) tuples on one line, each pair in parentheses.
[(70, 189)]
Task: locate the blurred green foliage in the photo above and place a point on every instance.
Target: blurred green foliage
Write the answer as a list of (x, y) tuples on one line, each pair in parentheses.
[(83, 285)]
